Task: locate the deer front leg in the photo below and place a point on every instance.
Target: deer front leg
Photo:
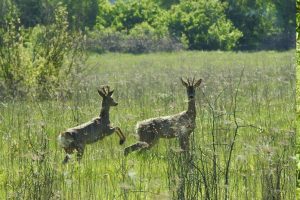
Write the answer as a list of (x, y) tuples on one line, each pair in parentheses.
[(67, 157), (184, 142), (68, 152), (120, 134), (80, 151)]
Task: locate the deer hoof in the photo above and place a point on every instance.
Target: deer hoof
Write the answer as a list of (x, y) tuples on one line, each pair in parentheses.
[(65, 161), (122, 141), (126, 152)]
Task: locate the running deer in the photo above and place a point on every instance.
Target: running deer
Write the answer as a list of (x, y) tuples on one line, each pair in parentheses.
[(180, 125), (76, 138)]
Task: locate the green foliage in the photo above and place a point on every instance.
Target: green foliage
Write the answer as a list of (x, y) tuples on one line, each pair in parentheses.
[(262, 22), (105, 16), (167, 3), (298, 25), (14, 58), (51, 44), (263, 164), (217, 24), (5, 6), (142, 29), (142, 38), (56, 51), (124, 15), (286, 14), (32, 12), (81, 13), (265, 24), (132, 26), (298, 69), (38, 60), (223, 35), (204, 25), (198, 24)]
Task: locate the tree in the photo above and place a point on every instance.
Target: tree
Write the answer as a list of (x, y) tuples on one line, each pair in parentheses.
[(125, 15), (132, 12), (203, 24), (286, 15), (167, 3), (264, 23), (31, 12), (82, 13)]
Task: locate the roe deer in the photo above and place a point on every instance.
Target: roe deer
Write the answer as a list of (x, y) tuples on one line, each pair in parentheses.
[(77, 137), (179, 125)]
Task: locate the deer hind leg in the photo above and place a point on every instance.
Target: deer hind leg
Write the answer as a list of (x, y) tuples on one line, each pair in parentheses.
[(145, 143), (68, 151), (80, 151), (66, 159), (135, 147)]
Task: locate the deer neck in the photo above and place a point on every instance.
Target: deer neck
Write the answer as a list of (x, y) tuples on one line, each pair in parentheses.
[(104, 113), (191, 111)]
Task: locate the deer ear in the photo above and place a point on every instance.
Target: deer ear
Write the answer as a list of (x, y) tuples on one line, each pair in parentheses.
[(101, 93), (183, 82), (198, 83), (110, 93)]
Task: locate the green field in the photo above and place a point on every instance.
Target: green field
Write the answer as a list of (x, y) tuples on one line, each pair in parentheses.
[(245, 127)]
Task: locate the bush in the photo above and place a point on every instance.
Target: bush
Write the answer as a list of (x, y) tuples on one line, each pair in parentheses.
[(38, 60), (142, 26), (132, 27), (14, 63), (141, 39), (203, 24), (125, 15)]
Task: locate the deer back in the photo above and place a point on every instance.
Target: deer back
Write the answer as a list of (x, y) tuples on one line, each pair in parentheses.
[(91, 131), (166, 127)]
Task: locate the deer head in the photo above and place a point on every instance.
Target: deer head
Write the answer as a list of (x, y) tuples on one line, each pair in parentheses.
[(191, 85), (106, 94)]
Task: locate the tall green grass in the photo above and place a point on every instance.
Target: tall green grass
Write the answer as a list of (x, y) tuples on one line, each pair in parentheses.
[(252, 123)]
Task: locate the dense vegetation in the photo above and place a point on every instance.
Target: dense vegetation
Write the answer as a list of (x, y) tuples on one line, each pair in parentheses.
[(257, 153), (43, 43), (198, 24), (243, 146), (40, 61), (298, 96)]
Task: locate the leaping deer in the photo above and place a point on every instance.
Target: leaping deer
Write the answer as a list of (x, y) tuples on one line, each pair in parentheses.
[(77, 137), (180, 125)]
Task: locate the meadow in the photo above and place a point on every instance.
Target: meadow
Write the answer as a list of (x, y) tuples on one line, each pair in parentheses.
[(242, 148)]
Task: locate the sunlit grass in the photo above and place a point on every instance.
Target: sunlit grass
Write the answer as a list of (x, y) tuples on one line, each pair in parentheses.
[(148, 86)]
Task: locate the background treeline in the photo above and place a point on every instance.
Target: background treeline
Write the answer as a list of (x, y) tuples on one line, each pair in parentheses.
[(148, 25), (43, 42)]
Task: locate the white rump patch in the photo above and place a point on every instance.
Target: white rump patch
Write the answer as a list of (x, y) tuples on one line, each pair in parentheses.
[(63, 141)]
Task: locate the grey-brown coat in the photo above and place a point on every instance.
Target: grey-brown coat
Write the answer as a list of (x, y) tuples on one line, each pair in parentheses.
[(179, 125), (77, 137)]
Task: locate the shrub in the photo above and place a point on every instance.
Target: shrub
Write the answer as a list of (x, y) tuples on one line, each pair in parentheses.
[(203, 24), (14, 63), (141, 39), (124, 15), (133, 27), (38, 60)]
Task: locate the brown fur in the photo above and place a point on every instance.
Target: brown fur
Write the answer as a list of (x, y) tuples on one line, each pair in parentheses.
[(77, 137), (180, 125)]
